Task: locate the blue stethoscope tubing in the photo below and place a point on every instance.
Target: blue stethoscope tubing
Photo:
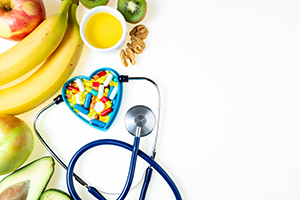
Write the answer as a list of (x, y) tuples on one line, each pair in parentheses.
[(135, 150)]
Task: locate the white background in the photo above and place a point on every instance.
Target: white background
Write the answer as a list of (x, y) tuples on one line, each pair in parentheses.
[(229, 76)]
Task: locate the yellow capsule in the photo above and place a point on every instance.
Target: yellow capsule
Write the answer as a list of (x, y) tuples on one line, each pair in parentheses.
[(92, 112), (102, 79), (104, 118), (108, 104), (88, 89)]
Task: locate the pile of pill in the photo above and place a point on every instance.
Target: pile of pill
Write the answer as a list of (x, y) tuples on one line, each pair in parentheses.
[(94, 99)]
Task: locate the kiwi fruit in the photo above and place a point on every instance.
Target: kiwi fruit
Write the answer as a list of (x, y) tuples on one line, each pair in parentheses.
[(93, 3), (132, 10)]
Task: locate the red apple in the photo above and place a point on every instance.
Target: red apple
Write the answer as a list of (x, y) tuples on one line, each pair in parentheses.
[(18, 18), (16, 143)]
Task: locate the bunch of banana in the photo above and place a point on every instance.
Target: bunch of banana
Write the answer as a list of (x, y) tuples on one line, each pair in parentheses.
[(55, 70)]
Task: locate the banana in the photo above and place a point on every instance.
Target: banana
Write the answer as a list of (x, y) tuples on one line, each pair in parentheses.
[(36, 47), (50, 77)]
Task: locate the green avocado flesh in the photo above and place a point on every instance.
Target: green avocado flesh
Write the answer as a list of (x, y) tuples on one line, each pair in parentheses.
[(55, 194), (29, 181), (93, 3)]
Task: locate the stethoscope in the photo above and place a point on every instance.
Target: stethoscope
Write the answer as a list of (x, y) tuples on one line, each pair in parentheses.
[(139, 121)]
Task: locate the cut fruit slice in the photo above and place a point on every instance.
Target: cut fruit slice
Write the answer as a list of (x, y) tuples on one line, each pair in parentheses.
[(132, 10), (93, 3), (55, 194), (29, 181)]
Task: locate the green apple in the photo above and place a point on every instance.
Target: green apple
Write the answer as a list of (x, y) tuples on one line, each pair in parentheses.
[(16, 143)]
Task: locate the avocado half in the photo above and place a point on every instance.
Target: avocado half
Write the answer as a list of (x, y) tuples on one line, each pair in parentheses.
[(29, 182), (55, 194)]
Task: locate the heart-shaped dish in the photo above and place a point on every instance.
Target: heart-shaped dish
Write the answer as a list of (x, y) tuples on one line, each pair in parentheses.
[(96, 99)]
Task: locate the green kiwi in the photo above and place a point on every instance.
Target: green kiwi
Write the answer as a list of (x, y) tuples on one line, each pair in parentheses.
[(93, 3), (132, 10)]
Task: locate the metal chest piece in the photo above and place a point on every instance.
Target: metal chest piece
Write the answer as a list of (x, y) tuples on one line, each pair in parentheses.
[(140, 120)]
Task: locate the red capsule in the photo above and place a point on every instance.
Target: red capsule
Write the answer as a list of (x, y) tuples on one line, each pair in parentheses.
[(104, 99), (106, 112), (96, 84), (103, 73), (72, 88)]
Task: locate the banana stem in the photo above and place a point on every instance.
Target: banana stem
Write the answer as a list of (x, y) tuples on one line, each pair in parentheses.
[(76, 2), (72, 20), (64, 7)]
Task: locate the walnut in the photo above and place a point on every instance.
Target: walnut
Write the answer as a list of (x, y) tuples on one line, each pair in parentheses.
[(123, 57), (127, 55), (130, 55), (140, 31), (137, 45)]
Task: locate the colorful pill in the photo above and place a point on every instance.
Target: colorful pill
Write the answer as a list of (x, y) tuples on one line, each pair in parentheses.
[(104, 99), (74, 91), (103, 73), (99, 106), (100, 91), (86, 117), (81, 109), (108, 104), (106, 112), (96, 84), (108, 79), (88, 89), (105, 119), (106, 90), (98, 123), (113, 93), (80, 85), (94, 92), (72, 88), (110, 90), (87, 101), (77, 96)]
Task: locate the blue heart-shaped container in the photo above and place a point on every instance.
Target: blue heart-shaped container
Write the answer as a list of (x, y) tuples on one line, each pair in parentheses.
[(79, 99)]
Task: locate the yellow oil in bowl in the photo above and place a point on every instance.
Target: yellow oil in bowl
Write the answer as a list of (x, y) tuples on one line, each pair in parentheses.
[(103, 30)]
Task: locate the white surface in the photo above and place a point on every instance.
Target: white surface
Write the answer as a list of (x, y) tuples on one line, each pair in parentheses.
[(229, 76)]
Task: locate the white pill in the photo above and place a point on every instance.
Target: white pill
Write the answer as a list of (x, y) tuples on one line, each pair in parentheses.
[(100, 91), (99, 106), (87, 118), (108, 79), (113, 93), (77, 98), (80, 85)]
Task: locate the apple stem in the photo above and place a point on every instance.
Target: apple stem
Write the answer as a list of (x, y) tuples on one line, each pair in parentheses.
[(5, 6)]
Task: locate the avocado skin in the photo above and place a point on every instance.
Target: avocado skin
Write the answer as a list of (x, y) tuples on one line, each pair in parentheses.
[(38, 172), (52, 194)]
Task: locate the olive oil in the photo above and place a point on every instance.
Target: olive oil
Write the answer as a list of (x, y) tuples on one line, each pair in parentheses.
[(103, 30)]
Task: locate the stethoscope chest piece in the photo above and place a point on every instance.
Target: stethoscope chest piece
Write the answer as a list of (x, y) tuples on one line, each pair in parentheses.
[(140, 120)]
